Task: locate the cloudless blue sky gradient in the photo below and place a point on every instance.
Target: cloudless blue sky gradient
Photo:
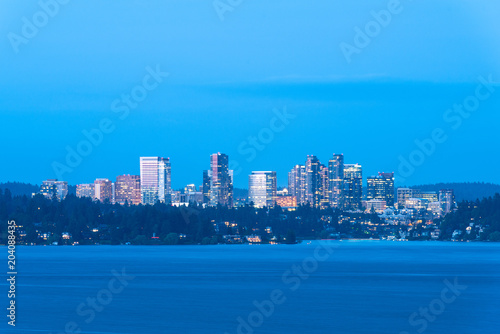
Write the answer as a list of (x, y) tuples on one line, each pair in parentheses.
[(226, 77)]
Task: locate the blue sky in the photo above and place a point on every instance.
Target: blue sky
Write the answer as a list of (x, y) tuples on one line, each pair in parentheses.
[(227, 76)]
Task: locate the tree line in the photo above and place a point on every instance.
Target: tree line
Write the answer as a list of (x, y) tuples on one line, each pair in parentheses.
[(93, 222), (44, 221), (472, 214)]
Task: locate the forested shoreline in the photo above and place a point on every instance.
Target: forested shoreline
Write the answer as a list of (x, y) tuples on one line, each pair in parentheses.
[(83, 221)]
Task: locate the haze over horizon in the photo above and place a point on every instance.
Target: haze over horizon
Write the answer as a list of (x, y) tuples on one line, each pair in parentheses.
[(228, 79)]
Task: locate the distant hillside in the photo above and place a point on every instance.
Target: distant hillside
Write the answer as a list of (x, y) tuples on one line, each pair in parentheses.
[(464, 191), (20, 189)]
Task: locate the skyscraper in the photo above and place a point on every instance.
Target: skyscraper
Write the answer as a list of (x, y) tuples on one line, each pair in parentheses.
[(336, 180), (381, 187), (221, 180), (128, 189), (325, 183), (155, 180), (262, 189), (165, 180), (314, 190), (103, 190), (353, 186), (297, 183)]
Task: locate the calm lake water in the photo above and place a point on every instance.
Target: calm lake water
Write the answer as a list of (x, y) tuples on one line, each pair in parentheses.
[(317, 287)]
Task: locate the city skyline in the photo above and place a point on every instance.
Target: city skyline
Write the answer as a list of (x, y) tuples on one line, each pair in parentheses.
[(333, 185)]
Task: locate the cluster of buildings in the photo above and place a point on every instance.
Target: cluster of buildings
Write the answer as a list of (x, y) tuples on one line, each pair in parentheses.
[(335, 184), (438, 203), (338, 185)]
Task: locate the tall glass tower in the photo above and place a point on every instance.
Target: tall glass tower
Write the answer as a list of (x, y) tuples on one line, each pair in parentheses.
[(381, 187), (314, 184), (297, 183), (353, 186), (336, 180), (221, 180), (155, 180), (262, 189)]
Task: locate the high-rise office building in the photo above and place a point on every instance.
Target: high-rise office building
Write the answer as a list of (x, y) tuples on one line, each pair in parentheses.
[(103, 190), (314, 185), (297, 183), (128, 189), (85, 190), (221, 180), (381, 187), (336, 180), (447, 200), (325, 186), (164, 180), (155, 180), (262, 189), (54, 189), (353, 186)]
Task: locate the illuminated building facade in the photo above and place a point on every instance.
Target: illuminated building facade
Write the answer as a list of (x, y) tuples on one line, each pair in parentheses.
[(54, 189), (128, 189), (221, 180), (155, 180), (286, 201), (432, 196), (406, 193), (447, 200), (336, 180), (375, 204), (103, 190), (262, 189), (403, 195), (417, 204), (85, 190), (297, 183), (381, 187), (353, 186), (325, 181), (314, 185)]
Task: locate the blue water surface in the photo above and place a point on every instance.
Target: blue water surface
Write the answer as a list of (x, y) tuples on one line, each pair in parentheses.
[(314, 287)]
